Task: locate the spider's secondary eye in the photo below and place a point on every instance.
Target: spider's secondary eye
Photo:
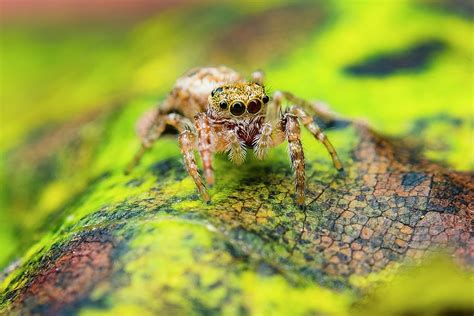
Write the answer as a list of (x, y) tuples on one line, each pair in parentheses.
[(265, 99), (223, 105), (238, 108), (216, 90), (254, 106)]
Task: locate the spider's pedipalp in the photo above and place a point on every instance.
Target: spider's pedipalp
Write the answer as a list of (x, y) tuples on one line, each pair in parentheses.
[(235, 148), (264, 141)]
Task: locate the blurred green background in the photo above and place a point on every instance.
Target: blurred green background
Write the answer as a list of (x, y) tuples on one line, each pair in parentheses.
[(404, 66), (54, 68)]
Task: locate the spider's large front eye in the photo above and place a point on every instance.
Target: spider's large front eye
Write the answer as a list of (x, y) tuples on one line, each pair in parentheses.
[(254, 106), (237, 108)]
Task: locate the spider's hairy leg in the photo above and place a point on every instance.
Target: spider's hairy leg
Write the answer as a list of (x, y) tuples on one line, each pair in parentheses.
[(258, 76), (319, 108), (292, 132), (314, 128), (187, 141), (151, 131), (205, 145), (234, 148)]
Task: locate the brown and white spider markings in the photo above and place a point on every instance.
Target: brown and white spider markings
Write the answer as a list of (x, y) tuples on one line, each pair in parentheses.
[(217, 110)]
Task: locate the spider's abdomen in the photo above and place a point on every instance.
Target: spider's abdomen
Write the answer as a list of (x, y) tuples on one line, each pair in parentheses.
[(190, 92)]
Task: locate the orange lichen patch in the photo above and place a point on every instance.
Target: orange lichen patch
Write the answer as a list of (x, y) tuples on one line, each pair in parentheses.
[(68, 279)]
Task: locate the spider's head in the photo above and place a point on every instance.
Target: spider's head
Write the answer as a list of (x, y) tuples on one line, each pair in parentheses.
[(238, 100)]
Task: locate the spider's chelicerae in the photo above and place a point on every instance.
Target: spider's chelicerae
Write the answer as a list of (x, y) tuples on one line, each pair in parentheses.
[(220, 111)]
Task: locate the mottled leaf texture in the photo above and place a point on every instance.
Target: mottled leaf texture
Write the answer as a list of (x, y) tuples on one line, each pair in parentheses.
[(391, 235)]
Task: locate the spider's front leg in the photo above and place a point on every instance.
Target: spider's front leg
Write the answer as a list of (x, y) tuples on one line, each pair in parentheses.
[(292, 133), (315, 107), (187, 144), (317, 132), (205, 145)]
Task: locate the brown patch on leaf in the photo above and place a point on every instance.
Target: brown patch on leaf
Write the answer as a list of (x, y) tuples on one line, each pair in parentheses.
[(60, 283), (402, 206)]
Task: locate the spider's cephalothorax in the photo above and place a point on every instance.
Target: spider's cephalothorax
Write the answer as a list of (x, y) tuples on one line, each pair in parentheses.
[(222, 112), (238, 109)]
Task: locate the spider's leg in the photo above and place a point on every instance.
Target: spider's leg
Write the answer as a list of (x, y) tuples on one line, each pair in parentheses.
[(314, 128), (178, 121), (292, 132), (316, 107), (258, 76), (136, 159), (187, 141), (205, 146), (150, 127)]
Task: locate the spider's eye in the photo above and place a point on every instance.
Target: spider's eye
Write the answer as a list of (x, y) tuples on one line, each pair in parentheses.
[(237, 108), (223, 105), (216, 90), (254, 106), (265, 99)]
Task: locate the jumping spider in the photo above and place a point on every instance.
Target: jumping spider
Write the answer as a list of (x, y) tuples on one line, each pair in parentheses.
[(220, 111)]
